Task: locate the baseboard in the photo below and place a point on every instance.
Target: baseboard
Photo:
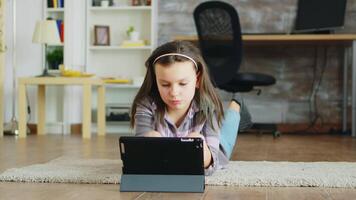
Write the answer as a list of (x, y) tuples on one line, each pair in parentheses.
[(297, 128), (120, 129), (52, 128), (60, 128), (76, 129), (33, 128), (306, 127)]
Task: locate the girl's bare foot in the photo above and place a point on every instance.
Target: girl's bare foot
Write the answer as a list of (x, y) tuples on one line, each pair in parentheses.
[(235, 106), (245, 117)]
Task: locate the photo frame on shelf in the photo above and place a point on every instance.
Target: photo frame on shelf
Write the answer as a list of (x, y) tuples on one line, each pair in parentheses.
[(101, 35)]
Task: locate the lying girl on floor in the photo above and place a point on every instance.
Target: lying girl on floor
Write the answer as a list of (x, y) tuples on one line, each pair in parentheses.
[(177, 99)]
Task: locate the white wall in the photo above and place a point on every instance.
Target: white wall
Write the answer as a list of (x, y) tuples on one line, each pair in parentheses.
[(74, 56), (29, 56)]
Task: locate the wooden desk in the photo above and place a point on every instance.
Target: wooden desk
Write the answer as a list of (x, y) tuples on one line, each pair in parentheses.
[(42, 82), (293, 38), (347, 40)]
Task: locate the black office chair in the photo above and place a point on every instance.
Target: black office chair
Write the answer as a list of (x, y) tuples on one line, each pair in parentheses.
[(220, 42)]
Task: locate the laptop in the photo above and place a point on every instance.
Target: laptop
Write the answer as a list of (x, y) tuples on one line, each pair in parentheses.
[(162, 164)]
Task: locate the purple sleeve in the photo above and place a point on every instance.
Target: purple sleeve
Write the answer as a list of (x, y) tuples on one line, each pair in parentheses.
[(212, 138), (144, 118)]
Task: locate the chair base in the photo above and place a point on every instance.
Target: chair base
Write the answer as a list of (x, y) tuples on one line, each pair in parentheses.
[(266, 128)]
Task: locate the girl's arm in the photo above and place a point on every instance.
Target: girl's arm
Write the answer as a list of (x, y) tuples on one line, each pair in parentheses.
[(144, 119), (212, 140)]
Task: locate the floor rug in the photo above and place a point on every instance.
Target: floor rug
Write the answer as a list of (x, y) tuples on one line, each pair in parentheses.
[(237, 173)]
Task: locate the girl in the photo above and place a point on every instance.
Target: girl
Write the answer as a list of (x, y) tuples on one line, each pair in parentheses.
[(177, 99)]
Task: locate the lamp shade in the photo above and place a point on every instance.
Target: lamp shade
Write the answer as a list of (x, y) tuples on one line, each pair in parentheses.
[(46, 32)]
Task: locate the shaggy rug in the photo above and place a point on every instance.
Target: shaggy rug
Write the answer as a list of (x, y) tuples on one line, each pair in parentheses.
[(237, 173)]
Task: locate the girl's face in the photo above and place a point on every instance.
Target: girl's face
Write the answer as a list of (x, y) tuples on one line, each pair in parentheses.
[(176, 84)]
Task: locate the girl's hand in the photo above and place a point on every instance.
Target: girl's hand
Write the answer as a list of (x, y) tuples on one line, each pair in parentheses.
[(152, 134), (207, 154)]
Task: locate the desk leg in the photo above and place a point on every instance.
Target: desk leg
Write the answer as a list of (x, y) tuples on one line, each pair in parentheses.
[(353, 90), (41, 111), (86, 126), (22, 110), (101, 110)]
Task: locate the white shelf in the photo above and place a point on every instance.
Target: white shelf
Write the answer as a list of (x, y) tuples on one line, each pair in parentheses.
[(118, 8), (119, 48), (55, 45), (55, 9)]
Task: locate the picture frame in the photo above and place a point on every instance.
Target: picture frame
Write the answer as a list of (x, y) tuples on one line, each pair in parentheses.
[(101, 35)]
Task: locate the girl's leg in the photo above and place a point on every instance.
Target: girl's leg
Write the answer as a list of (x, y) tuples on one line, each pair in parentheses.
[(229, 128)]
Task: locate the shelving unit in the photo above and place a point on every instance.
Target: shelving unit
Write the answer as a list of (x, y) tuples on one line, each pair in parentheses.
[(114, 60)]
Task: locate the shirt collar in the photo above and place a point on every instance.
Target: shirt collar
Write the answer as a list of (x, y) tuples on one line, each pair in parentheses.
[(191, 112)]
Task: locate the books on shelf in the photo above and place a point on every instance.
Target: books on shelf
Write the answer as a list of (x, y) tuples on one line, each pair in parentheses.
[(129, 43), (55, 3), (60, 27)]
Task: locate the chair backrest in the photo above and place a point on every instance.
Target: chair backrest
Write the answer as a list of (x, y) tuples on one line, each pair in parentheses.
[(220, 41)]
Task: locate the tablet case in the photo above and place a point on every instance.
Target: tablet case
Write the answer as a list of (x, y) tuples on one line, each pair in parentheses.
[(161, 164)]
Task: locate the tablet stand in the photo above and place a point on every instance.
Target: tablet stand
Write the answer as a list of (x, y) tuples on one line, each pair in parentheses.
[(162, 183)]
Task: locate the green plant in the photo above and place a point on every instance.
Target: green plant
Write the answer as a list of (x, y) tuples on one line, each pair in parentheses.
[(130, 30), (55, 57)]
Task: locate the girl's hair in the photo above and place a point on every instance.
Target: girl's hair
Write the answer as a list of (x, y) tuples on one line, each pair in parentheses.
[(205, 96)]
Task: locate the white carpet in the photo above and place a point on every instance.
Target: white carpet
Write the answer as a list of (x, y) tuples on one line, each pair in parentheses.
[(238, 173)]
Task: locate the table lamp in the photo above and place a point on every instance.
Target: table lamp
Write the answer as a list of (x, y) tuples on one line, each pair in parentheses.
[(46, 33)]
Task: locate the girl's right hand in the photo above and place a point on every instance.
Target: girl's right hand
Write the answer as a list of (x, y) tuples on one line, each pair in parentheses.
[(152, 134)]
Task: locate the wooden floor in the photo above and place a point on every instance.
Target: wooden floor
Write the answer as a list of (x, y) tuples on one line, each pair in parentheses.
[(39, 149)]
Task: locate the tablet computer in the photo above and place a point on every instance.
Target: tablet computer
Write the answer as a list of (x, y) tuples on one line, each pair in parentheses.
[(162, 164)]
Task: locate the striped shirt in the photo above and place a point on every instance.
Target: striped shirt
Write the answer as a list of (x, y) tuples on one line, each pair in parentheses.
[(146, 120)]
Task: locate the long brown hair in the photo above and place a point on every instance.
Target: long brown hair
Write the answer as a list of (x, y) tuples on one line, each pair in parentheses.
[(205, 96)]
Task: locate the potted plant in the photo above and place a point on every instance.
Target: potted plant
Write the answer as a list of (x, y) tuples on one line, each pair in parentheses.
[(54, 58), (132, 34)]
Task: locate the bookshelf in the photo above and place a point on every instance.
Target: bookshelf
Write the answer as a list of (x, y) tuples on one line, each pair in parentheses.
[(113, 58), (55, 9)]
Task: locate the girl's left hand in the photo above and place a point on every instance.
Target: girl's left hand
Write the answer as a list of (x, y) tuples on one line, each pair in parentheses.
[(207, 154)]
